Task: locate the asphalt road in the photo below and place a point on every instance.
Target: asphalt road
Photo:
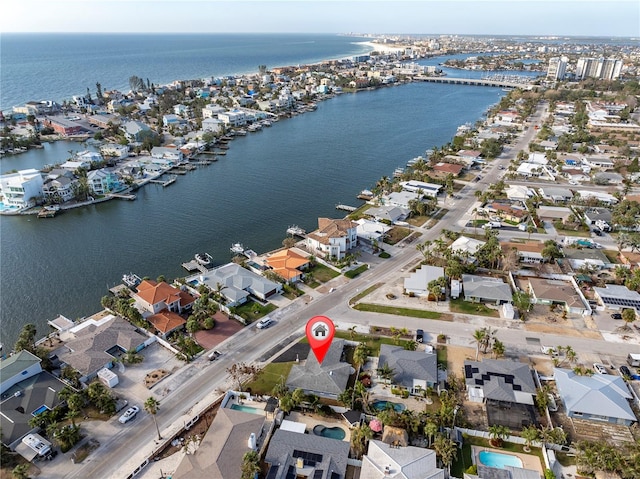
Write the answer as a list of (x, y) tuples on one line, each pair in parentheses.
[(122, 452)]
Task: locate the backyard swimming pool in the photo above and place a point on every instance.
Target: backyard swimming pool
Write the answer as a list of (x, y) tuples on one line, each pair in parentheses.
[(330, 432), (40, 410), (498, 460), (380, 405), (249, 409)]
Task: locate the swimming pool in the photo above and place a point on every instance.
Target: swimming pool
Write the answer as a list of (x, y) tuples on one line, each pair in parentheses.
[(380, 405), (499, 460), (40, 410), (330, 432), (249, 409), (4, 207)]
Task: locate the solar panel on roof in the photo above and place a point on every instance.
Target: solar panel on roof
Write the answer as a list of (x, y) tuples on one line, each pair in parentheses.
[(291, 473), (273, 472), (317, 474)]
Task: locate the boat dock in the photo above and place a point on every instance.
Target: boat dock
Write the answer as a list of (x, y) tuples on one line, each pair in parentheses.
[(123, 196), (346, 207), (48, 212), (167, 182), (193, 265)]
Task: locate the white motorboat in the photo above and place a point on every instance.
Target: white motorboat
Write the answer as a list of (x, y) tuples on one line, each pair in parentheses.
[(237, 248), (203, 258)]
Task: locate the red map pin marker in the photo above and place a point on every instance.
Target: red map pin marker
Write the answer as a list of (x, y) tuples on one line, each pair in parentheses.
[(320, 331)]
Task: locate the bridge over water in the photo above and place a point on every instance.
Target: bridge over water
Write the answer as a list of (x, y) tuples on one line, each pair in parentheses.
[(506, 82)]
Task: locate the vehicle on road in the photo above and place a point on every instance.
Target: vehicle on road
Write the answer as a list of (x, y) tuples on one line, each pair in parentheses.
[(213, 355), (597, 231), (492, 224), (616, 316), (549, 350), (264, 323), (419, 335), (625, 371), (600, 368), (501, 167), (129, 414), (633, 359)]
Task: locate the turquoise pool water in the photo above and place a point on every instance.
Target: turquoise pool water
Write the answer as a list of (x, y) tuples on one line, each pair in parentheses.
[(40, 410), (330, 432), (379, 405), (249, 409), (496, 459), (4, 207)]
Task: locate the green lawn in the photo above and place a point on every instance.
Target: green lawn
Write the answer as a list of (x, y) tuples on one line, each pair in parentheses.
[(364, 293), (372, 341), (352, 273), (414, 313), (270, 376), (441, 353), (461, 306), (323, 273), (252, 310)]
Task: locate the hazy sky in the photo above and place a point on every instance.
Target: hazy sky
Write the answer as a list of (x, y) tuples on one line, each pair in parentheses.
[(507, 17)]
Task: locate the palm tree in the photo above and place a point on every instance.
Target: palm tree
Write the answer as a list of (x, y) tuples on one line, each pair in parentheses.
[(20, 471), (430, 430), (360, 355), (360, 437), (385, 372), (447, 450), (530, 434), (498, 433), (152, 406), (250, 465), (479, 337), (352, 332), (498, 348)]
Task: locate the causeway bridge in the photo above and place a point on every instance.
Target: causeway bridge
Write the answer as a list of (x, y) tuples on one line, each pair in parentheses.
[(500, 82)]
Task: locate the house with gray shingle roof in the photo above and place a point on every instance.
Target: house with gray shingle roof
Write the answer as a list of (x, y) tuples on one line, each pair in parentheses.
[(384, 461), (328, 379), (486, 289), (95, 345), (499, 380), (219, 454), (292, 454), (18, 367), (600, 397), (413, 370)]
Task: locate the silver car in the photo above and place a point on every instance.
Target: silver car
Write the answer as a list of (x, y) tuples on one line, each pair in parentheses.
[(129, 414), (600, 368)]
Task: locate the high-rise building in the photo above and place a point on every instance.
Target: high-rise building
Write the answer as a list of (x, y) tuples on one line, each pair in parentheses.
[(601, 68), (557, 68)]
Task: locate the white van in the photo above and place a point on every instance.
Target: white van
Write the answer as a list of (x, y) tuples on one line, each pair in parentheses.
[(492, 224), (633, 359)]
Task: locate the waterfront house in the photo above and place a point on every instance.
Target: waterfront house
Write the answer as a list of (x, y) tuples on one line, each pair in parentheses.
[(603, 398), (73, 165), (445, 169), (89, 157), (96, 343), (104, 181), (104, 120), (156, 296), (414, 371), (60, 189), (557, 291), (425, 189), (293, 454), (233, 118), (21, 189), (135, 131), (418, 282), (390, 213), (384, 461), (165, 322), (212, 125), (220, 452), (17, 367), (486, 289), (288, 264), (212, 110), (328, 379), (502, 385), (334, 238), (401, 199), (166, 155)]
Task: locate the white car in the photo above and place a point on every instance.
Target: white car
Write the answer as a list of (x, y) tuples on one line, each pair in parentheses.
[(600, 368), (264, 323), (572, 182), (129, 414)]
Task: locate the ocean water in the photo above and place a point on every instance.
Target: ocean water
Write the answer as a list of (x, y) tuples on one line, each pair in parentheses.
[(291, 173)]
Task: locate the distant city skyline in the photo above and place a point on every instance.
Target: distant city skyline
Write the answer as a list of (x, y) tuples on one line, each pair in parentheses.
[(600, 18)]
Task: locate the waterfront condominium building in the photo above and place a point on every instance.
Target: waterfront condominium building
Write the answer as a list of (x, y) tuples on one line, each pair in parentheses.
[(601, 68), (557, 68)]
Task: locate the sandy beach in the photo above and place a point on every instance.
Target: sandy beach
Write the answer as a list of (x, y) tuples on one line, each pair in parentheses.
[(385, 48)]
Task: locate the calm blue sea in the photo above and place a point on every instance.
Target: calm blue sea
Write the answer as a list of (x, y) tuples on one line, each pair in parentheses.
[(291, 173), (58, 66)]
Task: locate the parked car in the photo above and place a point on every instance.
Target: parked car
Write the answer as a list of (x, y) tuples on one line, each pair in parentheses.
[(616, 316), (492, 224), (419, 335), (213, 355), (625, 371), (129, 414), (264, 323), (600, 368), (597, 231)]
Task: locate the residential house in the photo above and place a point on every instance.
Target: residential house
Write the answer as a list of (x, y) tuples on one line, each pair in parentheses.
[(220, 452), (95, 344), (135, 131), (236, 284), (519, 193), (294, 454), (557, 291), (617, 297), (528, 253), (60, 189), (21, 189), (556, 194), (212, 110), (166, 322), (334, 238), (73, 165), (415, 371), (575, 174), (89, 157), (502, 384), (418, 282), (212, 125), (630, 258), (444, 169), (585, 258), (289, 264), (104, 120), (328, 379), (171, 120), (607, 178), (383, 461), (597, 215), (104, 181), (602, 163), (371, 232), (470, 155), (427, 189), (604, 398), (156, 296), (514, 214), (552, 213), (486, 289), (533, 170), (597, 195), (401, 199), (466, 246), (388, 213), (26, 391), (234, 118), (168, 155), (115, 151)]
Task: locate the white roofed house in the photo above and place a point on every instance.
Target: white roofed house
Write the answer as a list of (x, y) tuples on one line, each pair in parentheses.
[(384, 461), (556, 194), (89, 157), (418, 282), (401, 199), (465, 246), (115, 151), (334, 237), (21, 189), (166, 155)]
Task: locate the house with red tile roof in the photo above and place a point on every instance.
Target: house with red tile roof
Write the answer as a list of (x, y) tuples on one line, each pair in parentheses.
[(288, 264), (166, 322), (448, 168), (333, 238), (154, 297)]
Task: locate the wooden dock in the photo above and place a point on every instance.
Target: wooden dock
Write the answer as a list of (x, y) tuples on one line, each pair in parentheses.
[(123, 196), (193, 265), (172, 179), (48, 213), (346, 207)]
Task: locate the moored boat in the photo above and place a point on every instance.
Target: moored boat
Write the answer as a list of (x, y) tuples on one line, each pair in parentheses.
[(203, 258), (237, 248)]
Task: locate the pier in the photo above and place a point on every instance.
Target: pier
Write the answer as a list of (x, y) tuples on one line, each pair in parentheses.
[(491, 82), (167, 182), (122, 196), (48, 212), (193, 265), (346, 207)]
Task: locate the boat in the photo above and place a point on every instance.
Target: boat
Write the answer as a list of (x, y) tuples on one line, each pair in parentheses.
[(203, 258), (131, 280), (296, 230), (237, 248), (365, 195)]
